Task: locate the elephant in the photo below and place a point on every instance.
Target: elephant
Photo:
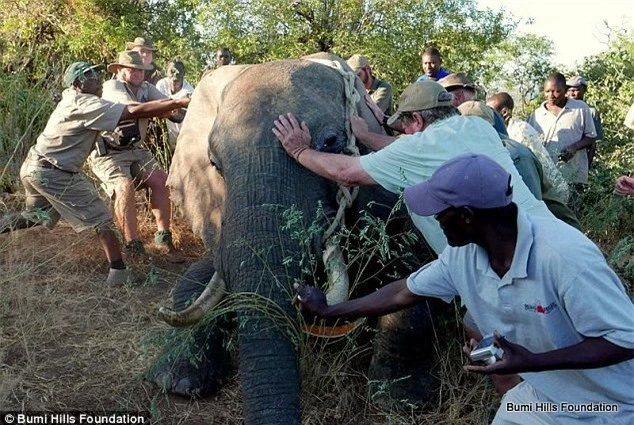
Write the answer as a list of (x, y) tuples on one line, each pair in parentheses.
[(233, 183)]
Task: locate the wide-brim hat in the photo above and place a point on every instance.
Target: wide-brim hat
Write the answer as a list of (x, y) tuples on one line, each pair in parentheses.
[(129, 59), (420, 96), (142, 43), (457, 80)]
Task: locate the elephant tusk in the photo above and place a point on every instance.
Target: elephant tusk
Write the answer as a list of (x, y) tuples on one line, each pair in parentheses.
[(193, 313), (338, 284)]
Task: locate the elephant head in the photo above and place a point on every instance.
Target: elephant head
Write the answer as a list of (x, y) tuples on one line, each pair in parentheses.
[(233, 182)]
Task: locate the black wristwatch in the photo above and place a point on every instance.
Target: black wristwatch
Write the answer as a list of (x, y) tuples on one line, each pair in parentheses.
[(384, 122)]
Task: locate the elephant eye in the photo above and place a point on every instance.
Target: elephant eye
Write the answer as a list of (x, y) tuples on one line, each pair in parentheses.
[(213, 160), (330, 139)]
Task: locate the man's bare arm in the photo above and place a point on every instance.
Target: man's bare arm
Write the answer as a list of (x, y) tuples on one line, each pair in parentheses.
[(295, 139)]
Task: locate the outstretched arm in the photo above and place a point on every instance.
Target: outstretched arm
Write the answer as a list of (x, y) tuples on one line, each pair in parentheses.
[(393, 297), (155, 108), (295, 139)]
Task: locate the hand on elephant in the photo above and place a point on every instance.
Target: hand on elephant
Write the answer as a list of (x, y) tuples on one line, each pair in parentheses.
[(309, 299), (295, 137)]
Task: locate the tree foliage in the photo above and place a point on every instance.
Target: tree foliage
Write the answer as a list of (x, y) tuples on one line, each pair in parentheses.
[(391, 33)]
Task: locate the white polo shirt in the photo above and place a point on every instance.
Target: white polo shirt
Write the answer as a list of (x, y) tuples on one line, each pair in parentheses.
[(558, 291), (573, 123), (413, 158)]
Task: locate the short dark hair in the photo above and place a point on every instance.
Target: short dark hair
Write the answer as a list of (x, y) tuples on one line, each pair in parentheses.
[(502, 99), (432, 51), (505, 213), (557, 78)]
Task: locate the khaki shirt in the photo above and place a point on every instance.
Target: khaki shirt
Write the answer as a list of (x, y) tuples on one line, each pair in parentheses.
[(118, 91), (73, 127)]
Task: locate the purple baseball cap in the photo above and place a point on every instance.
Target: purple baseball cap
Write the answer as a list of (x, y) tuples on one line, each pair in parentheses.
[(467, 180)]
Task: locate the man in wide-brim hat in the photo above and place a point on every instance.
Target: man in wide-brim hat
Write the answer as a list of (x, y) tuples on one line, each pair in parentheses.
[(127, 165), (128, 59), (146, 49)]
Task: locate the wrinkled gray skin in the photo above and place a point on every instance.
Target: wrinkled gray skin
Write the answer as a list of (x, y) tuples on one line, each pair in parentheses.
[(228, 172)]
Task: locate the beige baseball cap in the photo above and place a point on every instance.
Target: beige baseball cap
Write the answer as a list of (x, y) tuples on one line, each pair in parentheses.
[(358, 62), (420, 96), (478, 109)]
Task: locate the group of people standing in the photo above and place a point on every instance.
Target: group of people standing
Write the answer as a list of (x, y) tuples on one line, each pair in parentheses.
[(105, 124), (562, 132)]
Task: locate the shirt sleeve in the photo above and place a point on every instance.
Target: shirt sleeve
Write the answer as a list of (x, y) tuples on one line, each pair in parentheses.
[(385, 166), (433, 280), (588, 123), (598, 306), (101, 115)]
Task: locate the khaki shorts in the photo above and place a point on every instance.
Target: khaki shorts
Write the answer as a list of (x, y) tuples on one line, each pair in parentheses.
[(125, 164), (52, 193)]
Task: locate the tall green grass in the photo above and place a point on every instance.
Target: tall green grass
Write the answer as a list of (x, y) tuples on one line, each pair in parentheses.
[(24, 109)]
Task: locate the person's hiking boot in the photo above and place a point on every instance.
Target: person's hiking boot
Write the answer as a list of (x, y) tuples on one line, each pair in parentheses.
[(123, 277), (164, 244), (135, 251)]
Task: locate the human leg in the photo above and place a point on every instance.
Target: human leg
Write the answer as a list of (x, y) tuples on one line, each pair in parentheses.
[(115, 172), (156, 180), (521, 406)]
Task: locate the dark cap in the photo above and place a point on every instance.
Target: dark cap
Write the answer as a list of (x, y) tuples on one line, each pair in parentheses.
[(470, 180), (76, 70)]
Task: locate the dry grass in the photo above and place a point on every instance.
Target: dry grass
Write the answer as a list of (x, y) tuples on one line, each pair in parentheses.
[(67, 342)]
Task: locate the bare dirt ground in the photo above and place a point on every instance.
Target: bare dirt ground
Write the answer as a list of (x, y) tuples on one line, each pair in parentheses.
[(68, 342)]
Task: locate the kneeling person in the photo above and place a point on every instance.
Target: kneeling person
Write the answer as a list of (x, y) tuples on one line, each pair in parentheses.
[(567, 327)]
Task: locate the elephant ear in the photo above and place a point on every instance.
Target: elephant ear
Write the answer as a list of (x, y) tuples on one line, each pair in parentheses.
[(197, 187), (362, 108)]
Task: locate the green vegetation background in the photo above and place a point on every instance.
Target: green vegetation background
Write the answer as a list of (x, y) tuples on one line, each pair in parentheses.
[(39, 38)]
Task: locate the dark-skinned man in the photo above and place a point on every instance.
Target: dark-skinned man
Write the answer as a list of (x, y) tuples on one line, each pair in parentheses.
[(51, 174), (555, 308), (577, 88), (566, 128), (431, 63)]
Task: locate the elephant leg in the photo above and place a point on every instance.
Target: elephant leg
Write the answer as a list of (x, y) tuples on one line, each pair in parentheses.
[(404, 357), (193, 362)]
